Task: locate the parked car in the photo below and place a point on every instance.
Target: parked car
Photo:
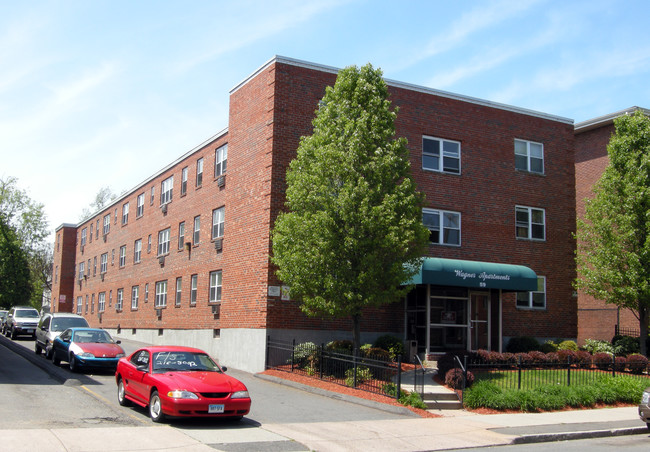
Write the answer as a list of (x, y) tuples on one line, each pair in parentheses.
[(86, 348), (644, 407), (3, 316), (51, 325), (179, 382), (21, 320)]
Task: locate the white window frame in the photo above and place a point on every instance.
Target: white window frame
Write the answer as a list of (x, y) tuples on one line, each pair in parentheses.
[(179, 290), (524, 158), (534, 299), (194, 287), (166, 190), (137, 251), (215, 287), (184, 181), (82, 267), (122, 256), (107, 224), (103, 263), (161, 294), (443, 154), (196, 234), (101, 302), (119, 299), (135, 297), (443, 226), (80, 303), (83, 236), (199, 172), (181, 235), (163, 241), (528, 225), (140, 206), (220, 160), (218, 222), (125, 213)]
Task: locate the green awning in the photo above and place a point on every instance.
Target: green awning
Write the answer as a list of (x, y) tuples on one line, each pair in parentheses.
[(480, 275)]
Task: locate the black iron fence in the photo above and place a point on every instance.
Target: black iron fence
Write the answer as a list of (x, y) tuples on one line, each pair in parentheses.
[(336, 366)]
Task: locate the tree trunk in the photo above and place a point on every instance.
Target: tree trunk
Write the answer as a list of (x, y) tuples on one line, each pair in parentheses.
[(356, 334), (643, 329)]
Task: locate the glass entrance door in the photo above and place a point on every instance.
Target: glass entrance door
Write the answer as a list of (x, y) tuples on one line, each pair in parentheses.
[(479, 331)]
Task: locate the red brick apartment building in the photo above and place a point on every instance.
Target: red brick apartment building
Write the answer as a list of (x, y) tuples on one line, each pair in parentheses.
[(184, 256), (597, 319)]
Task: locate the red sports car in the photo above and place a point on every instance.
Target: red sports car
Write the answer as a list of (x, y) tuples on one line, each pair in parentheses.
[(179, 382)]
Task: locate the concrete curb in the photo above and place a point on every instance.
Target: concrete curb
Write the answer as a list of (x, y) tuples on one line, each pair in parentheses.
[(565, 436), (334, 395)]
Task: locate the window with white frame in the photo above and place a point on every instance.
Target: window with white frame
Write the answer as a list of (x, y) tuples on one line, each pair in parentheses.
[(166, 188), (218, 222), (163, 242), (529, 156), (440, 155), (91, 232), (184, 181), (137, 251), (92, 303), (107, 223), (125, 213), (82, 266), (122, 255), (135, 295), (197, 230), (101, 302), (530, 223), (80, 301), (179, 287), (444, 226), (181, 235), (220, 160), (199, 172), (153, 195), (161, 294), (535, 299), (146, 293), (215, 287), (149, 244), (94, 266), (103, 263), (140, 206), (119, 302), (83, 236), (194, 288)]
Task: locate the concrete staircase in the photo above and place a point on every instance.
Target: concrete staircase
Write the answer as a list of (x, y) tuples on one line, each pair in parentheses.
[(436, 397)]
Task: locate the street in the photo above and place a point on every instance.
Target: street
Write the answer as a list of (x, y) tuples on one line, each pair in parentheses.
[(632, 443)]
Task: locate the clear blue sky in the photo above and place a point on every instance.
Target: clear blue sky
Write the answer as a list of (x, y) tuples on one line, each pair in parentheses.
[(106, 93)]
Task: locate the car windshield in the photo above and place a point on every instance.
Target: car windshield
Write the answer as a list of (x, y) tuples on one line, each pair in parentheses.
[(64, 323), (30, 313), (98, 337), (183, 361)]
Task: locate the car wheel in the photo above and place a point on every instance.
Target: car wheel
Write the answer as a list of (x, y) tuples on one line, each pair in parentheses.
[(48, 352), (121, 394), (648, 425), (74, 366), (12, 335), (155, 408), (37, 348), (55, 359)]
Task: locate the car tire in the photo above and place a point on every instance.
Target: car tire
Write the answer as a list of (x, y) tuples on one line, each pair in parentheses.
[(74, 367), (155, 408), (12, 335), (37, 348), (121, 394), (55, 359)]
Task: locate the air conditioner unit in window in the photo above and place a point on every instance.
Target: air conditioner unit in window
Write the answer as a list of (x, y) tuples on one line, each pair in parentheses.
[(221, 181), (161, 261), (216, 310), (218, 244), (164, 209)]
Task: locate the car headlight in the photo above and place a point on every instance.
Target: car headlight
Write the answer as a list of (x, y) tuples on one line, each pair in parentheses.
[(182, 394), (86, 355), (240, 395), (646, 398), (120, 355)]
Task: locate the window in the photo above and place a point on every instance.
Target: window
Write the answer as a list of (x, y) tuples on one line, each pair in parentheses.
[(220, 159), (146, 293), (122, 255), (97, 229), (530, 223), (101, 302), (135, 295), (181, 235), (440, 155), (107, 223), (137, 251), (535, 299), (112, 257), (103, 263), (119, 302), (149, 244), (91, 233), (161, 294), (92, 303), (125, 214), (193, 289), (83, 236), (153, 195), (166, 190), (217, 222), (140, 207), (197, 229), (80, 302), (179, 286), (184, 181), (86, 304), (444, 226), (115, 216), (163, 242), (529, 156), (94, 265), (199, 172), (215, 287), (82, 266)]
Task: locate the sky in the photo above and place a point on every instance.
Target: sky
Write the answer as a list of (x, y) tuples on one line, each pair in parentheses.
[(105, 93)]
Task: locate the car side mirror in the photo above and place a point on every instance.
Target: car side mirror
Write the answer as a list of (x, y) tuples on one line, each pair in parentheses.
[(143, 367), (224, 368), (118, 342)]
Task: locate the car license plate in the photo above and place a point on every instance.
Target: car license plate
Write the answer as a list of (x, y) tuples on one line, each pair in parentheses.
[(215, 408), (30, 331)]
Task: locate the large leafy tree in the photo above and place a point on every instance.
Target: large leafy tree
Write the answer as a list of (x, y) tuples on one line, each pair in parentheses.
[(613, 252), (15, 280), (353, 233), (103, 197)]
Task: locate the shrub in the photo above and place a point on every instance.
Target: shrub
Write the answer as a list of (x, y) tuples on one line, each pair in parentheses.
[(565, 355), (603, 361), (390, 389), (594, 346), (537, 357), (522, 344), (626, 345), (454, 379), (391, 344), (524, 359), (305, 355), (637, 363), (548, 347), (568, 345), (583, 359), (619, 363), (377, 353), (553, 358), (363, 375), (342, 346), (413, 399)]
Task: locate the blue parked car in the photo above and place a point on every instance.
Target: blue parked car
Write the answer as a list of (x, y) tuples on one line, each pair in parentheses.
[(86, 348)]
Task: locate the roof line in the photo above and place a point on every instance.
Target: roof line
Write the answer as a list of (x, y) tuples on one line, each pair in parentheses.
[(607, 119)]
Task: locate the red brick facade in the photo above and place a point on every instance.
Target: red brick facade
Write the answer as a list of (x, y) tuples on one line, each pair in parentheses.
[(269, 112)]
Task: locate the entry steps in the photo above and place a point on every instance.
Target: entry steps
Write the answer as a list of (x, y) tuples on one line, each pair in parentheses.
[(435, 396)]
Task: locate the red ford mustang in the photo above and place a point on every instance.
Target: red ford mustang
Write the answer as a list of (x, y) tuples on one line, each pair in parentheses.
[(179, 382)]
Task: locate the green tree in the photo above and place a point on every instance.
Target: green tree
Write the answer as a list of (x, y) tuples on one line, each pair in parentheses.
[(354, 231), (613, 253), (103, 197), (15, 279)]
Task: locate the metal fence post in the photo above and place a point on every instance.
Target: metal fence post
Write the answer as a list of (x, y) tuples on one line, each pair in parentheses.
[(293, 352), (519, 373), (568, 372), (354, 369), (613, 364), (320, 359), (399, 377)]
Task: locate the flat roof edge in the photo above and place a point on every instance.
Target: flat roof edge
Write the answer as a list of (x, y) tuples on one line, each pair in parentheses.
[(599, 121)]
